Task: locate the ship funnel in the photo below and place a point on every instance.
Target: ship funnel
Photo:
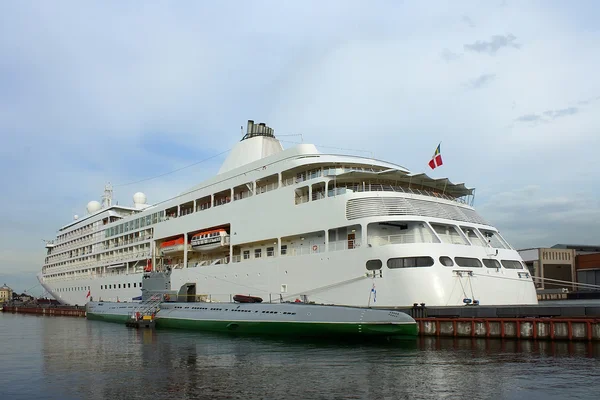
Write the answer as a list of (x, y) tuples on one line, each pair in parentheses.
[(260, 129), (262, 145)]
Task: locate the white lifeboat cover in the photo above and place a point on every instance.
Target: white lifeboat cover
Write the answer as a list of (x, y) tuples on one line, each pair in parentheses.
[(250, 150)]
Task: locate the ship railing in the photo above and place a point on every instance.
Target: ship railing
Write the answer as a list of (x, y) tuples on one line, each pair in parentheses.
[(205, 263), (302, 199), (228, 297), (318, 195), (344, 245), (371, 187), (304, 250), (287, 182), (404, 238), (266, 188)]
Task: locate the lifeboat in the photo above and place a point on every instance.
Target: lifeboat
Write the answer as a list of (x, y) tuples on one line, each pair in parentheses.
[(172, 246), (210, 240), (240, 298)]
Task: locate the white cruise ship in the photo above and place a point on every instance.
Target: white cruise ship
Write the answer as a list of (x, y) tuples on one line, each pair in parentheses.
[(281, 224)]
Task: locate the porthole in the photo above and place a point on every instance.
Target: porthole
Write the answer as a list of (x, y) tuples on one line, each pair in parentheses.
[(446, 261), (374, 265)]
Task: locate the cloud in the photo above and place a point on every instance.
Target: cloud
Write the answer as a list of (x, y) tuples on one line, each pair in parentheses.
[(468, 21), (494, 44), (548, 116), (448, 55), (534, 216), (529, 118), (481, 81)]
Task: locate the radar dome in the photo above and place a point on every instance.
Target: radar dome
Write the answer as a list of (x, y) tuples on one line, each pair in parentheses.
[(139, 198), (93, 206), (75, 216)]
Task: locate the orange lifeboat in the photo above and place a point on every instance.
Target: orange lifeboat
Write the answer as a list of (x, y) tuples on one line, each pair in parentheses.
[(172, 246)]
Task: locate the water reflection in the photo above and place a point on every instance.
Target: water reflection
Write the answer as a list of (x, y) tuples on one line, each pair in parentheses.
[(95, 360)]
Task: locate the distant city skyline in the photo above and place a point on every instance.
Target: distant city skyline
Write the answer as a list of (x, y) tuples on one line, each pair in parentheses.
[(118, 92)]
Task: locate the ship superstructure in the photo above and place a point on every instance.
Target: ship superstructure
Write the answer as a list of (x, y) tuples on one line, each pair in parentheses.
[(281, 224)]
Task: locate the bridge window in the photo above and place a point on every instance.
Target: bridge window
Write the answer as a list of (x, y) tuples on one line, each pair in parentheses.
[(449, 234), (494, 239), (474, 237)]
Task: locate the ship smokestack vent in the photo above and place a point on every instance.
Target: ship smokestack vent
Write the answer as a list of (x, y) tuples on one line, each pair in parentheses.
[(260, 129)]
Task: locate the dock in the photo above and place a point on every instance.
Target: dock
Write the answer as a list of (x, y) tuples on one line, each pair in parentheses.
[(63, 311), (542, 322)]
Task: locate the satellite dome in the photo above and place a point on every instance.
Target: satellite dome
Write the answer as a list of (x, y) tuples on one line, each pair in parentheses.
[(93, 206), (75, 216), (139, 198)]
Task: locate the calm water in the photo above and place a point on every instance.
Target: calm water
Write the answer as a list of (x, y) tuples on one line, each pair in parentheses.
[(69, 358)]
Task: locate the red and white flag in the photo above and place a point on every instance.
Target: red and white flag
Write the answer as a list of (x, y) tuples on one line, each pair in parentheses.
[(88, 295), (436, 160)]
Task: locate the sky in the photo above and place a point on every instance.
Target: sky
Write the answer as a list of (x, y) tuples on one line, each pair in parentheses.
[(118, 92)]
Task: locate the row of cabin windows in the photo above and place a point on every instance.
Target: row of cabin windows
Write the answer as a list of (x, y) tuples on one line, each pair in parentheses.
[(135, 224), (115, 286), (426, 261), (73, 289)]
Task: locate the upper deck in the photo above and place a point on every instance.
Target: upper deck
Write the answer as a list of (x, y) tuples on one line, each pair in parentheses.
[(312, 176)]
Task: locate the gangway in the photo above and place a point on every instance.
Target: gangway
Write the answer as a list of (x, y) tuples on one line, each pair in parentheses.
[(143, 315)]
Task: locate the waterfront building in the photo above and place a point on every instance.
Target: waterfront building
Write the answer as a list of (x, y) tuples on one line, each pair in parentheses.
[(569, 263), (5, 294)]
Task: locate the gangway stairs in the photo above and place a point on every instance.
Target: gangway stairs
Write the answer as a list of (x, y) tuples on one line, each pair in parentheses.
[(143, 315)]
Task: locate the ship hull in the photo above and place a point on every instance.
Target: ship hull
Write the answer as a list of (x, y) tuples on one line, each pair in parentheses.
[(335, 278), (298, 320)]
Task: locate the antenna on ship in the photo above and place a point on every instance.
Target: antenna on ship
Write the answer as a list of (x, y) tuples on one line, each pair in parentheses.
[(107, 197)]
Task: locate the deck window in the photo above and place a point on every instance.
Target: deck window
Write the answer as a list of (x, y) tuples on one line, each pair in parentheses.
[(409, 262), (374, 264), (512, 264), (468, 262), (488, 262), (246, 254), (257, 253)]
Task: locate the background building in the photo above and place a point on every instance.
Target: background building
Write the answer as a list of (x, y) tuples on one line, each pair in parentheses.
[(588, 268), (563, 262), (5, 294)]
